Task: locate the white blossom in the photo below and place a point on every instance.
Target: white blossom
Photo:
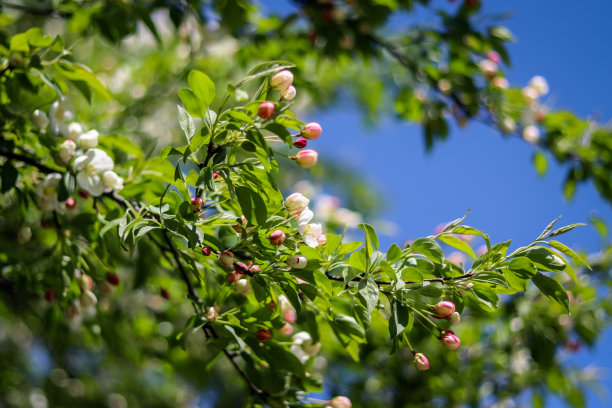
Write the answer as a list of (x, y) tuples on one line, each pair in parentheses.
[(540, 84), (75, 130), (47, 191), (91, 167), (296, 202), (89, 139), (112, 180), (66, 151)]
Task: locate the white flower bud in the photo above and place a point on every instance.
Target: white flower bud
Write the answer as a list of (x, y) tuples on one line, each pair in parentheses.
[(112, 180), (296, 202), (89, 139), (289, 93), (88, 299), (243, 286), (531, 134), (40, 119), (540, 84), (226, 258), (455, 318), (297, 261), (75, 130), (67, 150), (282, 80), (508, 125)]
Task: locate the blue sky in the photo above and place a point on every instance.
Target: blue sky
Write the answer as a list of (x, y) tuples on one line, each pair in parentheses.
[(476, 168)]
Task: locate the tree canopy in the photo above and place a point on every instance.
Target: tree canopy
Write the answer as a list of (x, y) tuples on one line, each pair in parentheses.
[(157, 250)]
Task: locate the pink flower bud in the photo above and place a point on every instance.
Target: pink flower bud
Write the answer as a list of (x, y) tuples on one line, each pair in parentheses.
[(70, 203), (297, 261), (296, 202), (290, 316), (206, 251), (232, 277), (312, 131), (112, 278), (277, 237), (266, 110), (215, 175), (165, 294), (263, 334), (500, 82), (289, 93), (450, 341), (196, 204), (341, 402), (226, 258), (307, 158), (85, 282), (300, 143), (494, 56), (282, 80), (286, 330), (444, 309), (421, 362), (322, 239), (211, 313), (50, 295)]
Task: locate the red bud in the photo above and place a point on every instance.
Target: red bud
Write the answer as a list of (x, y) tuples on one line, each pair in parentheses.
[(300, 143)]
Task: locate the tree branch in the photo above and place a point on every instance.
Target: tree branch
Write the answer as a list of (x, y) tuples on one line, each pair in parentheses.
[(28, 160)]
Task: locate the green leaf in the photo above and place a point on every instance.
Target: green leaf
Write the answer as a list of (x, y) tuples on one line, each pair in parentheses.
[(490, 278), (544, 258), (400, 319), (8, 176), (552, 289), (202, 86), (348, 325), (186, 122), (539, 161), (485, 297), (569, 252), (66, 187), (394, 253), (429, 248), (77, 72), (458, 244), (563, 230), (548, 228), (522, 267), (371, 237), (412, 274), (369, 292), (240, 116), (191, 102), (466, 230)]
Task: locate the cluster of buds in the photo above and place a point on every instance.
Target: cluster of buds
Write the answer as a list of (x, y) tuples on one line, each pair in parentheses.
[(490, 69), (282, 81), (445, 309), (537, 87)]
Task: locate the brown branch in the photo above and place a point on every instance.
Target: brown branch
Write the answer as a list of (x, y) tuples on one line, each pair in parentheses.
[(28, 160), (182, 270), (381, 283)]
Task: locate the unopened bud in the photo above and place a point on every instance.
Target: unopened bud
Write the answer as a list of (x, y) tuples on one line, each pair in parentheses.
[(296, 202), (165, 294), (24, 234), (196, 204), (75, 130), (494, 56), (243, 286), (66, 150), (297, 261), (443, 309), (282, 80), (530, 94), (263, 334), (421, 362), (112, 278), (50, 295), (500, 82), (232, 277), (89, 139), (70, 203), (277, 237), (85, 282), (266, 110), (83, 194), (312, 131), (226, 258), (40, 119), (206, 251), (286, 330), (289, 93), (307, 158), (488, 67), (341, 402), (450, 341), (531, 134), (300, 143), (88, 299), (322, 239), (211, 313)]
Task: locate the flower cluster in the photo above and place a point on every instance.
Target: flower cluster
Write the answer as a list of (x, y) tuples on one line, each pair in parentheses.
[(311, 233), (283, 82), (94, 167)]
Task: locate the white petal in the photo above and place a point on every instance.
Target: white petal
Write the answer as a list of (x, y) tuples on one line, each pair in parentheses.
[(89, 139), (81, 161), (101, 161), (92, 184)]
